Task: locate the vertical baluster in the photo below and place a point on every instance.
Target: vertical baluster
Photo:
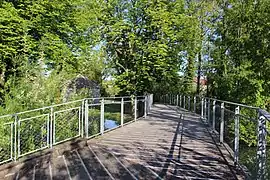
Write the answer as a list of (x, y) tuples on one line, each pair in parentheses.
[(11, 141), (180, 101), (82, 117), (19, 137), (184, 102), (209, 111), (122, 112), (221, 138), (52, 128), (145, 106), (194, 104), (15, 136), (102, 117), (205, 108), (86, 116), (202, 106), (236, 135), (135, 108), (189, 103), (214, 115)]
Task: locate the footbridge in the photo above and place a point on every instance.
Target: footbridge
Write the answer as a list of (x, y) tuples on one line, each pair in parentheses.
[(166, 137)]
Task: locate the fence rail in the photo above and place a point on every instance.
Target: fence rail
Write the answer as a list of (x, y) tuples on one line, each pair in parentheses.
[(31, 131), (231, 121)]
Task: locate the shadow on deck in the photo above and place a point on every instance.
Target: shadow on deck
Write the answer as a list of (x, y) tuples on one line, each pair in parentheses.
[(162, 146)]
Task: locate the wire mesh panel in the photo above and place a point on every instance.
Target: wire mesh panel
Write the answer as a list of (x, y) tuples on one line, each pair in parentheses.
[(229, 121), (248, 151), (167, 99), (191, 104), (33, 134), (67, 124), (173, 99), (140, 108), (159, 99), (6, 145), (128, 111), (112, 114), (94, 119), (198, 105), (210, 112), (217, 116), (248, 140)]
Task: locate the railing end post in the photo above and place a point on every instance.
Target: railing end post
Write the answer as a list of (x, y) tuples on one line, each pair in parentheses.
[(261, 148)]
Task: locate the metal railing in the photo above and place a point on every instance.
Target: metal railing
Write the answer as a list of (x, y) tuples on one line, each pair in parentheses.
[(234, 123), (27, 132)]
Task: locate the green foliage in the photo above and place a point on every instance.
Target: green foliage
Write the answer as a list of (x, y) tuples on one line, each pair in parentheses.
[(57, 35), (133, 47), (143, 41), (241, 53)]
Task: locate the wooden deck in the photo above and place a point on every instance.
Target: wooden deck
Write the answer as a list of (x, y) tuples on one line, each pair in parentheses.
[(162, 146)]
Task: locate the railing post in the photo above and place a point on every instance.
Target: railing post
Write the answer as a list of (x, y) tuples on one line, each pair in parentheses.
[(205, 107), (209, 111), (86, 116), (180, 101), (194, 104), (122, 112), (163, 97), (135, 108), (221, 139), (189, 103), (81, 119), (102, 116), (15, 137), (177, 100), (145, 106), (184, 106), (150, 103), (170, 102), (202, 106), (261, 149), (236, 135), (214, 115), (52, 129), (11, 140)]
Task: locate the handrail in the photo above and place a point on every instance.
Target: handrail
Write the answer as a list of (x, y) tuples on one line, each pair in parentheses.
[(60, 123), (70, 102), (265, 114), (229, 102)]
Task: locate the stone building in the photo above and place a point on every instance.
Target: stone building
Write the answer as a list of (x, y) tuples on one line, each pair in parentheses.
[(79, 85)]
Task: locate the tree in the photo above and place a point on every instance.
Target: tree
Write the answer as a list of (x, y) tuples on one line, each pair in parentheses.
[(241, 53), (144, 40)]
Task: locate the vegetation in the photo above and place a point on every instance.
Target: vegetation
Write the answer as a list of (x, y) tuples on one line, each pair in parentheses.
[(132, 48), (140, 46)]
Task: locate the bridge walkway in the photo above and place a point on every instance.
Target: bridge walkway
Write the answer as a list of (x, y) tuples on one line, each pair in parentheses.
[(170, 143)]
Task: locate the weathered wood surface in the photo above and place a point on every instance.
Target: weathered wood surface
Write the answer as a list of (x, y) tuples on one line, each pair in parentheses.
[(162, 146)]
